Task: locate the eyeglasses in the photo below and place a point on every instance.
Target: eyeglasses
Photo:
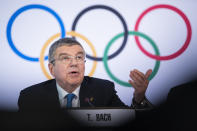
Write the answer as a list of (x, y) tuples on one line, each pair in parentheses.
[(66, 59)]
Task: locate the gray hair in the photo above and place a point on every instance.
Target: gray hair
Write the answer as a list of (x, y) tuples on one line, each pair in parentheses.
[(59, 43)]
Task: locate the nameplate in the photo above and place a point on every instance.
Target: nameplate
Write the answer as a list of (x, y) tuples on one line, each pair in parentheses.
[(103, 117)]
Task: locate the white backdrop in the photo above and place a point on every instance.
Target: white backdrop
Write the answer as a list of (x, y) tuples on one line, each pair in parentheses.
[(32, 27)]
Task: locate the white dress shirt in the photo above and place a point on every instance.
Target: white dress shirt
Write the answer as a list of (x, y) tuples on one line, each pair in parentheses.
[(63, 100)]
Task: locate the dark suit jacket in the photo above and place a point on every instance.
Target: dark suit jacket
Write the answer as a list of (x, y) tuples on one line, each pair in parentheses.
[(44, 96), (181, 106)]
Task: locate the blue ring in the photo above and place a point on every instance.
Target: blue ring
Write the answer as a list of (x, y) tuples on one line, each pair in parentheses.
[(17, 13)]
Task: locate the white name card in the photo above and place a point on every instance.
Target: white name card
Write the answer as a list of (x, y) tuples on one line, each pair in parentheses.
[(103, 117)]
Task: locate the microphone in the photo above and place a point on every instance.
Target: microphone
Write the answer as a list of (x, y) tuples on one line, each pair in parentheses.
[(88, 100)]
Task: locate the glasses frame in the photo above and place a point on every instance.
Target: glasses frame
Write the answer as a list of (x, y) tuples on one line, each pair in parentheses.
[(79, 61)]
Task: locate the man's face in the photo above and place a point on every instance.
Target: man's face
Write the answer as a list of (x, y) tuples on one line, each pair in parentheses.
[(68, 68)]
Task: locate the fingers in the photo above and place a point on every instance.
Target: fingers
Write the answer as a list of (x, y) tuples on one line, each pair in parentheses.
[(132, 83), (140, 75), (137, 75), (148, 73), (138, 78)]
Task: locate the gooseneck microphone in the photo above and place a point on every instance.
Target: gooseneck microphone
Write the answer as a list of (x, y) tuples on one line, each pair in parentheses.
[(88, 100)]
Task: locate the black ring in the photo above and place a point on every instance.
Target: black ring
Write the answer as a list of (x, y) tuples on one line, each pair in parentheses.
[(117, 14)]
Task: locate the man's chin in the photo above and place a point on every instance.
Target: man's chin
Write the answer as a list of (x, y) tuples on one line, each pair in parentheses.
[(75, 83)]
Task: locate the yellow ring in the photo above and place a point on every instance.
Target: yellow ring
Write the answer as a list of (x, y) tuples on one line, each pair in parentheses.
[(72, 33)]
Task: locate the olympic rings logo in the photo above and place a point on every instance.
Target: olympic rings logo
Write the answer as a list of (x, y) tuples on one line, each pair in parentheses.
[(105, 58)]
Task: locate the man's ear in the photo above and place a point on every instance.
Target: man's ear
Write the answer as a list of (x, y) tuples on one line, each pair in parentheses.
[(51, 68)]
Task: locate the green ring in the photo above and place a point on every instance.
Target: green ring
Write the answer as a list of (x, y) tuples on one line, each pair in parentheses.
[(157, 63)]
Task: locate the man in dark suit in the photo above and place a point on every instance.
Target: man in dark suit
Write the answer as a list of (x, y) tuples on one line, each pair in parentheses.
[(181, 107), (178, 112), (71, 88)]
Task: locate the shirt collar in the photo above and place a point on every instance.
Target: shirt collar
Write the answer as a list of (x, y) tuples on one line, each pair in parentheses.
[(62, 93)]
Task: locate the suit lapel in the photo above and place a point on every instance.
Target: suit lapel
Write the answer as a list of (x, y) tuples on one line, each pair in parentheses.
[(84, 93), (52, 95)]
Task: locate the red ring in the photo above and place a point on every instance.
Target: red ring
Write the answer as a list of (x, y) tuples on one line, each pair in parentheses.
[(183, 48)]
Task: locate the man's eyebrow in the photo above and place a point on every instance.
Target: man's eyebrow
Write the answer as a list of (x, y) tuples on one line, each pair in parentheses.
[(78, 53), (61, 54), (81, 52)]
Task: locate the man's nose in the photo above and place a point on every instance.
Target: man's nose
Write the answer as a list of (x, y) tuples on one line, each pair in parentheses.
[(73, 61)]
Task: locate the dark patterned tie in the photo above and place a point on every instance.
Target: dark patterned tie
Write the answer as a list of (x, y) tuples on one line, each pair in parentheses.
[(69, 100)]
